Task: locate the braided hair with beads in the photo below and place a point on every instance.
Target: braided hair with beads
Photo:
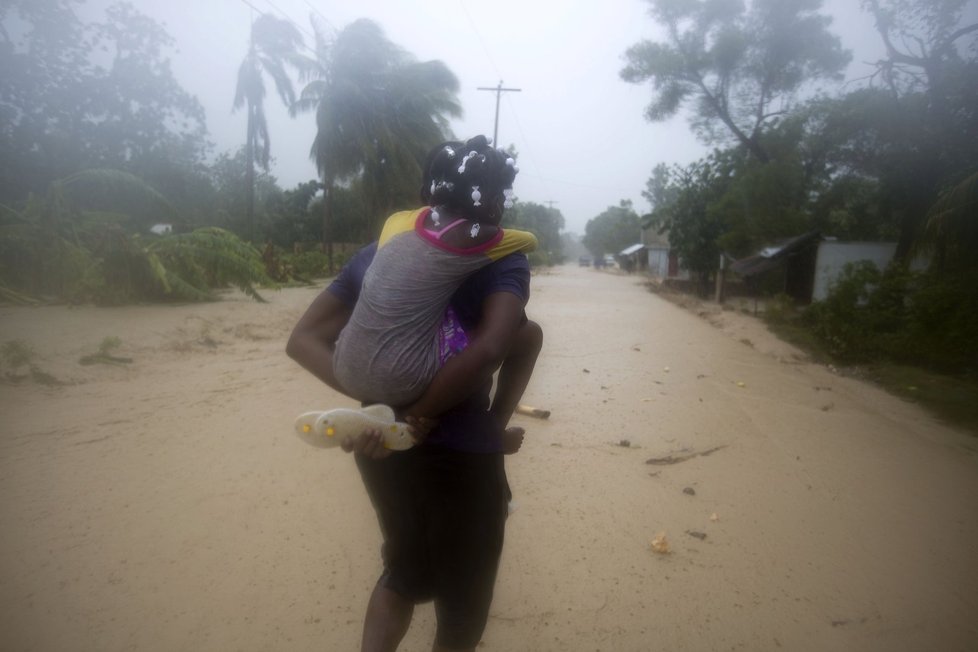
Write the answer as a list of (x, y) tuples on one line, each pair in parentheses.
[(472, 180)]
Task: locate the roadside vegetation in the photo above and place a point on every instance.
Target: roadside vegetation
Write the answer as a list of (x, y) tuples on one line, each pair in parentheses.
[(110, 191), (889, 158), (903, 331)]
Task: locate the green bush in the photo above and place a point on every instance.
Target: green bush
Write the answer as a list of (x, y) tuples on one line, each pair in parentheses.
[(308, 264), (942, 324), (840, 321), (898, 315)]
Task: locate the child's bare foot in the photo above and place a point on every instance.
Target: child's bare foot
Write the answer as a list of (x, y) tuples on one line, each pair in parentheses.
[(512, 439)]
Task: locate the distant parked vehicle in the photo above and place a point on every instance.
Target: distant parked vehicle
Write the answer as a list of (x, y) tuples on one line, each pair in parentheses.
[(605, 261), (584, 261)]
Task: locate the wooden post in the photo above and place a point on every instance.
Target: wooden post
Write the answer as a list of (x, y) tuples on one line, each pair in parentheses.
[(721, 273)]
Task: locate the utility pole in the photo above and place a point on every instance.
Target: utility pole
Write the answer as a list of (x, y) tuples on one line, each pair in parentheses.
[(499, 90), (550, 203)]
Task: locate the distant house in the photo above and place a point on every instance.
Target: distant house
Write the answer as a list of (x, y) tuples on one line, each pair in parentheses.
[(161, 228), (663, 261), (833, 257), (632, 258), (793, 260), (809, 264)]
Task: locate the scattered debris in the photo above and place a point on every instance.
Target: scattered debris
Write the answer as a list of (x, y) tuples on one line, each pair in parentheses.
[(15, 354), (689, 491), (587, 371), (827, 407), (675, 459), (714, 517), (532, 411), (660, 544), (696, 535), (104, 353), (741, 383), (635, 348), (846, 621), (624, 443), (665, 369)]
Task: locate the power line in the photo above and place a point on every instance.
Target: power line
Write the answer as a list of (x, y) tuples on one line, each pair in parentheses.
[(482, 42), (260, 12), (326, 20), (529, 150), (288, 18)]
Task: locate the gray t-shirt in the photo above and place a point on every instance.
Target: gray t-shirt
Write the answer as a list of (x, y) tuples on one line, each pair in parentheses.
[(389, 350)]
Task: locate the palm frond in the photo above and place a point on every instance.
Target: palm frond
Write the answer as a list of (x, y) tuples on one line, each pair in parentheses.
[(213, 255), (951, 230), (107, 182)]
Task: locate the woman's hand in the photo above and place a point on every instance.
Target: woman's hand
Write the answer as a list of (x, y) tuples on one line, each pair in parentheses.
[(421, 427), (369, 443)]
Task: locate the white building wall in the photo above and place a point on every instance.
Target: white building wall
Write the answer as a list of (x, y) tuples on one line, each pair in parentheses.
[(659, 262), (832, 258)]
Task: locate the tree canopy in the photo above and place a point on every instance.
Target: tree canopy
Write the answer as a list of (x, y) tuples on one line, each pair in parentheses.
[(544, 222), (613, 230), (378, 113), (75, 96), (741, 66)]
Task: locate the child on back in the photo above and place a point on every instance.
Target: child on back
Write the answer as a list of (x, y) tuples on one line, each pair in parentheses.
[(402, 329)]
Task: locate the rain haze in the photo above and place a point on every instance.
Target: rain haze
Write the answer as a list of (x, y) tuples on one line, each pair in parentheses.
[(580, 130), (743, 418)]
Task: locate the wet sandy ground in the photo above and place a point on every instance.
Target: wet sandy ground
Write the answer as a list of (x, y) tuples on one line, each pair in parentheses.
[(164, 504)]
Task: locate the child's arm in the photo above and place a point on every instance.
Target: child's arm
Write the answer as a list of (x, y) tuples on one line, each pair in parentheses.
[(516, 371)]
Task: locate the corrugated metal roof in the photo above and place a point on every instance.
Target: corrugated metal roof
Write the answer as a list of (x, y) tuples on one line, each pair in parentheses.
[(771, 257), (628, 251)]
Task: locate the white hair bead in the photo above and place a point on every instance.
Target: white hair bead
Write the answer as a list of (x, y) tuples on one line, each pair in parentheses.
[(476, 196)]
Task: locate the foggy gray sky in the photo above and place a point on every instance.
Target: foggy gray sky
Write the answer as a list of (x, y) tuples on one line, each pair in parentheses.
[(579, 129)]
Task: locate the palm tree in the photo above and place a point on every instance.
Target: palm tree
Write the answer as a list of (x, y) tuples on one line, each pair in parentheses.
[(378, 112), (273, 44), (951, 230)]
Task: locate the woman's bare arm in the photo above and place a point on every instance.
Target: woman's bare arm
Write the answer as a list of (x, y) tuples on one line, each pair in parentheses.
[(313, 339)]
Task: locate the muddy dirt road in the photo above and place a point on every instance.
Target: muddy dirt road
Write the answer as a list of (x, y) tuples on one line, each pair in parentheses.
[(165, 505)]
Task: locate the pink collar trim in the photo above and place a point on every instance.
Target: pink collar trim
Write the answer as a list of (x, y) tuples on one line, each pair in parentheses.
[(433, 239)]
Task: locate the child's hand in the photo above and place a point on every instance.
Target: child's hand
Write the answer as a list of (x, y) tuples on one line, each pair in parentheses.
[(421, 427), (512, 439), (369, 443)]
